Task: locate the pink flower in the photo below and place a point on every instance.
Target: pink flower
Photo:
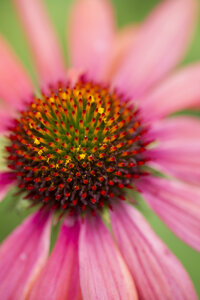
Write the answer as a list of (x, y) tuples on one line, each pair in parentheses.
[(95, 130)]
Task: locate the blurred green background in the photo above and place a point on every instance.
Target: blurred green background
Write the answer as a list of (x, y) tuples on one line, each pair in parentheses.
[(127, 11)]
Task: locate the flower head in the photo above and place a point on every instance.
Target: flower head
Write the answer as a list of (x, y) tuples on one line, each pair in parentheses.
[(91, 133), (77, 148)]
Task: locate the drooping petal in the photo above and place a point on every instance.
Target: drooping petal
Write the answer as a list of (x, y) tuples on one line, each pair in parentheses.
[(60, 277), (91, 33), (159, 47), (178, 92), (22, 255), (177, 204), (156, 271), (103, 273), (15, 85), (43, 41), (7, 179)]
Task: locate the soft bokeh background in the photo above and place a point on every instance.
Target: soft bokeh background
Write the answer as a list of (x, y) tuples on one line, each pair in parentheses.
[(127, 11)]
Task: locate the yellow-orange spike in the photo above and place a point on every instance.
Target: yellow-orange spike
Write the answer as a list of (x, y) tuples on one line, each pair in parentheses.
[(99, 122), (101, 155), (80, 102), (81, 124), (112, 158), (110, 121), (71, 102), (96, 130), (122, 135), (113, 129), (87, 130), (131, 130), (94, 149), (85, 140), (84, 115), (113, 138), (94, 140), (103, 147), (106, 129), (120, 145), (95, 113), (113, 148), (106, 139)]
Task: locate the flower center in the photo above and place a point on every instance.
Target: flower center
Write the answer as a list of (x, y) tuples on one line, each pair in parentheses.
[(77, 148)]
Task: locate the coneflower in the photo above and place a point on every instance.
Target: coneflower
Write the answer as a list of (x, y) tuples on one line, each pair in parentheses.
[(90, 134)]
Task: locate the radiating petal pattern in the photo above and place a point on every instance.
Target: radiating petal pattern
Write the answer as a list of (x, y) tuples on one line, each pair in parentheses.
[(91, 34), (177, 204), (43, 41), (103, 273), (180, 91), (60, 277), (15, 85), (156, 271), (159, 47), (22, 255)]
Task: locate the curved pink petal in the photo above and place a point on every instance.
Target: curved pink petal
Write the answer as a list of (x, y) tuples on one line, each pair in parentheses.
[(91, 33), (60, 277), (103, 273), (43, 41), (22, 255), (181, 161), (178, 92), (121, 46), (177, 204), (159, 47), (7, 179), (182, 170), (183, 128), (178, 148), (15, 85), (156, 271)]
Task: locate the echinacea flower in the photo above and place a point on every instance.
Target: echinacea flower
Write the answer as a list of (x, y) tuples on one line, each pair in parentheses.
[(92, 133)]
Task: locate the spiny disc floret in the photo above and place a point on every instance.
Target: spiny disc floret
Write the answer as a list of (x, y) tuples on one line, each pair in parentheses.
[(77, 148)]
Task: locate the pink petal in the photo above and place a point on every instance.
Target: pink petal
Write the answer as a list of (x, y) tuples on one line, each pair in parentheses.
[(60, 277), (178, 92), (5, 121), (177, 152), (177, 204), (180, 170), (7, 179), (156, 271), (183, 128), (15, 85), (121, 46), (91, 36), (42, 39), (103, 273), (180, 162), (22, 255), (159, 47)]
